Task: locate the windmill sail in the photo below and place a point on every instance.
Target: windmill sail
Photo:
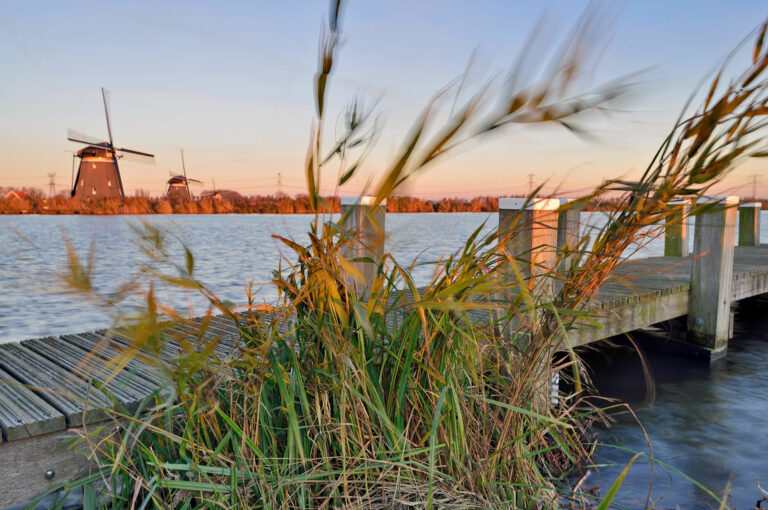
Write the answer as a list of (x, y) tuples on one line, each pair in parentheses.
[(76, 136), (136, 156)]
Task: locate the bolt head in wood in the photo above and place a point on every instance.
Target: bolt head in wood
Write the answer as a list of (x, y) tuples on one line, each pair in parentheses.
[(49, 474)]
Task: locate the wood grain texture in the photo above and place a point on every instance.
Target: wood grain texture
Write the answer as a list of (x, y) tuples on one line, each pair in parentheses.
[(710, 296), (68, 394), (23, 465), (23, 413), (127, 387)]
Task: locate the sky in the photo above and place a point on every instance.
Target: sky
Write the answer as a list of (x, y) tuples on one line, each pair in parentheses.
[(232, 84)]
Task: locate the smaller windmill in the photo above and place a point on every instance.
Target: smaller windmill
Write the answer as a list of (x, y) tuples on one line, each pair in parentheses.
[(178, 185), (98, 175)]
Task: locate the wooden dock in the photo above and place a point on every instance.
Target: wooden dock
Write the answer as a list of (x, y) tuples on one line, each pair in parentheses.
[(649, 291), (45, 382)]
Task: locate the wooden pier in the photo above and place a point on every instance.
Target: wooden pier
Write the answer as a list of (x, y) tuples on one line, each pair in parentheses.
[(44, 383)]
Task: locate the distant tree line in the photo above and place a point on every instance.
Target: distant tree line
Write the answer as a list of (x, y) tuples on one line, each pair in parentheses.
[(34, 201)]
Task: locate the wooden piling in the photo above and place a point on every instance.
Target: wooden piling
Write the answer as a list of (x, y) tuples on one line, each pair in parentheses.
[(529, 230), (709, 302), (365, 221), (676, 232), (749, 224), (568, 231)]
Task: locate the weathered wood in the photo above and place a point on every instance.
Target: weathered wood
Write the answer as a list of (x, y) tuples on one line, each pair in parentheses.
[(75, 398), (225, 341), (24, 463), (749, 224), (24, 414), (644, 311), (568, 230), (709, 304), (528, 229), (676, 229), (169, 352), (364, 220), (107, 350), (128, 388)]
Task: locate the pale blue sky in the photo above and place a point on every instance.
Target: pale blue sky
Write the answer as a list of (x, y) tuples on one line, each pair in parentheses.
[(231, 83)]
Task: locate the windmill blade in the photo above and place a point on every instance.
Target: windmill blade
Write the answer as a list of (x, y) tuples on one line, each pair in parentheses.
[(183, 166), (137, 156), (137, 153), (76, 136), (104, 96), (195, 181)]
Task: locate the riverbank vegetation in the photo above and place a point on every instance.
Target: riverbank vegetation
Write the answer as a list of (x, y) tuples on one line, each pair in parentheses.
[(234, 203), (225, 202), (351, 393)]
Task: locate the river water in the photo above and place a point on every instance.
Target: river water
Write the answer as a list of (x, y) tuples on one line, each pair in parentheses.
[(710, 423)]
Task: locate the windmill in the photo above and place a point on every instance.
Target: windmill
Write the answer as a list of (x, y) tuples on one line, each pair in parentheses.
[(98, 175), (178, 185)]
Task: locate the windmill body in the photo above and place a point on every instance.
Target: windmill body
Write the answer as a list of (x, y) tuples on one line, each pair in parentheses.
[(178, 188), (98, 175), (178, 185)]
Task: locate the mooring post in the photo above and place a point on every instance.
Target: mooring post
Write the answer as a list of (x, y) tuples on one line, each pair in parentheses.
[(529, 230), (676, 235), (568, 230), (709, 301), (749, 224), (365, 221)]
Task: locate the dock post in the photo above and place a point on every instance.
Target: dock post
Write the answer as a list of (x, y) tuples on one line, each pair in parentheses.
[(568, 230), (528, 228), (709, 301), (749, 224), (676, 230), (534, 243), (366, 222)]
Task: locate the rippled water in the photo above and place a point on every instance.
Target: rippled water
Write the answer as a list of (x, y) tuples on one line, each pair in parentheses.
[(229, 251), (711, 423), (708, 422)]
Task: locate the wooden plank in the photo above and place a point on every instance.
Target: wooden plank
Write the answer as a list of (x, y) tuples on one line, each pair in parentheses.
[(224, 349), (63, 391), (170, 350), (24, 414), (106, 350), (742, 288), (128, 388), (630, 317)]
